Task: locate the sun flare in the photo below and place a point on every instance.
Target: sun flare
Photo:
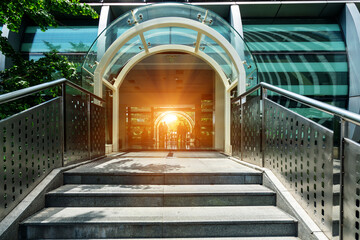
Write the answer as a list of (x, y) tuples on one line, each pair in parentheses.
[(169, 118)]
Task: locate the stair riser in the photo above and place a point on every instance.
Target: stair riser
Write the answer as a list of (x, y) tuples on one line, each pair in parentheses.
[(162, 180), (116, 230), (159, 201)]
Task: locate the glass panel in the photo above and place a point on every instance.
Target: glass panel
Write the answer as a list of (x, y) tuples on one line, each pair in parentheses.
[(183, 36), (159, 36), (211, 48), (171, 35), (126, 52)]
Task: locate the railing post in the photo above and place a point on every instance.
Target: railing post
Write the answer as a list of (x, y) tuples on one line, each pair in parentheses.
[(241, 129), (340, 131), (263, 92), (63, 114), (89, 122)]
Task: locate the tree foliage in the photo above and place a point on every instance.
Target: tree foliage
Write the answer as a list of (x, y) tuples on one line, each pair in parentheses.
[(40, 11), (25, 73)]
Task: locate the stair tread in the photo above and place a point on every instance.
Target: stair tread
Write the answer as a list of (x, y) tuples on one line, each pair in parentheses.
[(161, 166), (149, 215), (94, 190), (214, 238)]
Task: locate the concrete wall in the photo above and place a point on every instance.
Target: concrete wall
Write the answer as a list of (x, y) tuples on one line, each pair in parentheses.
[(350, 23)]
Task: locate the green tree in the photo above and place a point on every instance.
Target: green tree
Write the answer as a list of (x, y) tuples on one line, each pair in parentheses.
[(40, 11), (25, 73)]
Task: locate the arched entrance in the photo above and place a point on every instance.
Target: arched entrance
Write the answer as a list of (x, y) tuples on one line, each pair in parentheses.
[(171, 27), (179, 132)]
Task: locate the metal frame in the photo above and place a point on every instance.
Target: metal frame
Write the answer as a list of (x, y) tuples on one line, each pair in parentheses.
[(8, 97), (313, 153), (327, 108), (42, 134)]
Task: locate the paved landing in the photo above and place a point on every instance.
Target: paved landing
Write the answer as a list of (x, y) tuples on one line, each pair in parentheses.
[(126, 163)]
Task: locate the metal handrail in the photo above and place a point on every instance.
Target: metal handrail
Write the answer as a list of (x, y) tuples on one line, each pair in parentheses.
[(7, 97), (324, 107)]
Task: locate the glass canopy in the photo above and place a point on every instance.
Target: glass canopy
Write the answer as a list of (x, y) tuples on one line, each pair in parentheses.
[(168, 35)]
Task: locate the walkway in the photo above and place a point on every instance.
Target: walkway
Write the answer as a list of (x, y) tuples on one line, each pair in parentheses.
[(162, 195)]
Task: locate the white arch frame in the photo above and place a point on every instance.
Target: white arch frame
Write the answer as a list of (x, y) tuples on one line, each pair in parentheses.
[(139, 29), (197, 26)]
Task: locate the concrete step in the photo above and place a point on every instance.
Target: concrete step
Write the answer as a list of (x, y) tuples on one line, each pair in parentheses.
[(157, 222), (159, 171), (163, 179), (226, 238), (160, 195)]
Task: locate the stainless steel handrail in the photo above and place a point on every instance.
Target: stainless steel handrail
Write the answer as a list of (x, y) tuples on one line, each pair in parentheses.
[(324, 107), (7, 97)]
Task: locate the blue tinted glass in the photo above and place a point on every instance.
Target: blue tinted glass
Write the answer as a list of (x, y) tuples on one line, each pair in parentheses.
[(308, 59), (62, 39)]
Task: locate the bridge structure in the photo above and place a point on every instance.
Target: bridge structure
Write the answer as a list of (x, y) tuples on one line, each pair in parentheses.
[(272, 172)]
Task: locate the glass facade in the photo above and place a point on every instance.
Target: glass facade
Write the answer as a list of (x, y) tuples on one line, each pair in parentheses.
[(304, 56), (71, 41)]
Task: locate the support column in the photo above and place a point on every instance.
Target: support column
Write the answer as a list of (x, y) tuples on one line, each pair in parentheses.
[(122, 126), (219, 114), (2, 56), (236, 23), (116, 114), (227, 113), (102, 44), (235, 19), (104, 22), (349, 21), (15, 41)]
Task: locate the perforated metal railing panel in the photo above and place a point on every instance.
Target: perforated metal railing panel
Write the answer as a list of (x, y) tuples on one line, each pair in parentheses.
[(251, 131), (97, 130), (351, 190), (236, 129), (77, 129), (31, 146), (299, 152)]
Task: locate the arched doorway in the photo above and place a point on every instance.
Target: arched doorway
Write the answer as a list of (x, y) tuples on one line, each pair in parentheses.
[(169, 84), (172, 27), (175, 130)]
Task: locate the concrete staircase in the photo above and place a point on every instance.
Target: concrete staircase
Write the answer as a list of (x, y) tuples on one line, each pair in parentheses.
[(150, 198)]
